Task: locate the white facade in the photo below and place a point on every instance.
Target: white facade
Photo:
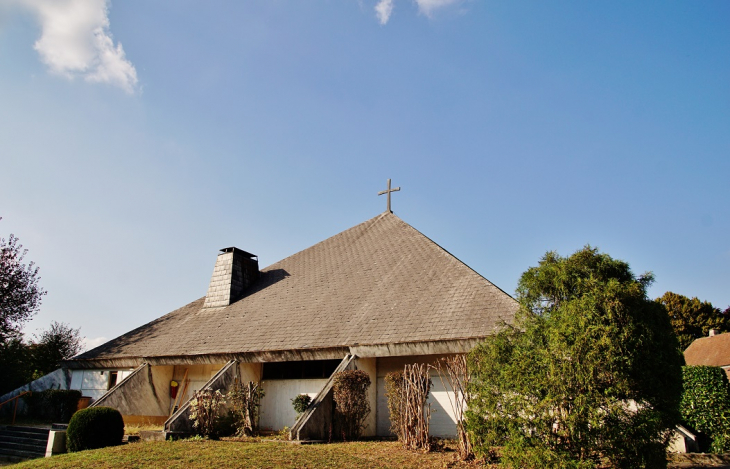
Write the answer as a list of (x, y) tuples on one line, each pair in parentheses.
[(277, 411), (443, 421), (95, 383)]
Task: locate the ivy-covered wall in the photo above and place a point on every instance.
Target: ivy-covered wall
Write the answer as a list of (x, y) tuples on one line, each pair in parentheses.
[(705, 406)]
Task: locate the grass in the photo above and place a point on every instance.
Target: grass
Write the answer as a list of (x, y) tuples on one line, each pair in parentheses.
[(230, 454), (135, 429), (262, 454)]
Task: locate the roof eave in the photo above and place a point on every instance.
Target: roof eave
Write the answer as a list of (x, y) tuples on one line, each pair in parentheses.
[(431, 347)]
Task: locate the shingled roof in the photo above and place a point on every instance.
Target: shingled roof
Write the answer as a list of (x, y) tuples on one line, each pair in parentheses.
[(709, 351), (381, 282)]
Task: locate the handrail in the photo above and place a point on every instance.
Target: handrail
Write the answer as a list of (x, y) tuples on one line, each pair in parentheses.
[(15, 410)]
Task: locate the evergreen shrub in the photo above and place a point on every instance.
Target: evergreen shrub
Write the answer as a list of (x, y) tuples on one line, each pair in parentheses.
[(301, 403), (588, 375), (53, 405), (705, 406), (94, 427)]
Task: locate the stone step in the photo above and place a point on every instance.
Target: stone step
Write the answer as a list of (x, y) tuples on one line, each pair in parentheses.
[(22, 447), (19, 429), (28, 428), (14, 438), (23, 442), (19, 453), (25, 435), (20, 440)]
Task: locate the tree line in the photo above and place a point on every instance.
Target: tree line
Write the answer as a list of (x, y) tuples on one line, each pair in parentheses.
[(23, 360)]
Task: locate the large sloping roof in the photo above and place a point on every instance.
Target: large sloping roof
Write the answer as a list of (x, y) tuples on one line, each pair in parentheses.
[(709, 351), (380, 282)]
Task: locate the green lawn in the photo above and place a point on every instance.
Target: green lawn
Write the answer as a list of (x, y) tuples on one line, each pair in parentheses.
[(230, 454)]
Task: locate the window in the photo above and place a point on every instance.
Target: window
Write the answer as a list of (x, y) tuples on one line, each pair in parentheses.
[(312, 369), (112, 379)]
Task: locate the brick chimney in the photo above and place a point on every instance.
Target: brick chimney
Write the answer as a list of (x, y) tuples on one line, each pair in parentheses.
[(235, 270)]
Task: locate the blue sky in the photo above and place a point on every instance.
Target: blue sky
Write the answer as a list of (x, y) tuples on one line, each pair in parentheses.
[(137, 138)]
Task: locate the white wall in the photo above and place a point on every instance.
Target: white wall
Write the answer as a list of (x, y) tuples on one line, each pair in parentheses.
[(277, 411), (443, 422), (95, 383)]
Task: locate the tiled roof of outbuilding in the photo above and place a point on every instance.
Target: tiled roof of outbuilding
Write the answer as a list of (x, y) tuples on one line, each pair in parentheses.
[(710, 351), (379, 282)]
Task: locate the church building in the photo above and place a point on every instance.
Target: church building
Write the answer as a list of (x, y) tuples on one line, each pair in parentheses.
[(375, 297)]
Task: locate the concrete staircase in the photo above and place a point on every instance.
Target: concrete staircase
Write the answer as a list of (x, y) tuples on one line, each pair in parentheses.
[(21, 443)]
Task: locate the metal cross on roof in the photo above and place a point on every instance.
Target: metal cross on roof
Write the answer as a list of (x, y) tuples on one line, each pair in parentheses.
[(388, 191)]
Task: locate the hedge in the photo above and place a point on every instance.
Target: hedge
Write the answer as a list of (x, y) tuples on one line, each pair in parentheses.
[(705, 406), (94, 427), (53, 405)]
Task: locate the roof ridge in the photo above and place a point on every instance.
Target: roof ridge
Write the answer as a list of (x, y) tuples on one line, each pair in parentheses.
[(450, 254)]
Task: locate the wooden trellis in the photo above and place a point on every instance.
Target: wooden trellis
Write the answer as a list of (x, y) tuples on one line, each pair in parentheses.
[(415, 410)]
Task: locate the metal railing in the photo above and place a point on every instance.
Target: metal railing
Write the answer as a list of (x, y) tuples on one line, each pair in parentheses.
[(15, 410)]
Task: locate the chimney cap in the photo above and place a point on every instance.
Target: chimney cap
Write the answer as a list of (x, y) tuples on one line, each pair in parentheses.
[(239, 251)]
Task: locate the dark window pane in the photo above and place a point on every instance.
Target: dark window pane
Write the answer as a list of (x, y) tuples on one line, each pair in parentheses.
[(312, 369), (112, 379)]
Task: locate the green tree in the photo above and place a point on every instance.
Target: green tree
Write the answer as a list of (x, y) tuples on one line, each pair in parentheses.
[(55, 344), (20, 295), (20, 299), (589, 372), (21, 362), (692, 318), (14, 364)]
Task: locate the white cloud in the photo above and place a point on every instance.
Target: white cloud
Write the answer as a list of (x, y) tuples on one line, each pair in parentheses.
[(384, 9), (92, 343), (427, 7), (76, 41)]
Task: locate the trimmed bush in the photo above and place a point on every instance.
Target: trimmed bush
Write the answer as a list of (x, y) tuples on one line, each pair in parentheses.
[(53, 405), (705, 405), (351, 402), (94, 427), (301, 403)]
